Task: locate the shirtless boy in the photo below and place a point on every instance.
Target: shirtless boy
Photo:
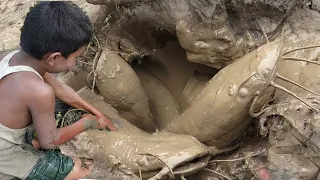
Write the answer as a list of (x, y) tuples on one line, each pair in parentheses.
[(54, 34)]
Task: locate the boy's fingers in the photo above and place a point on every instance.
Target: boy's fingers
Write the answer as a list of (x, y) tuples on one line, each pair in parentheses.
[(111, 127), (105, 123)]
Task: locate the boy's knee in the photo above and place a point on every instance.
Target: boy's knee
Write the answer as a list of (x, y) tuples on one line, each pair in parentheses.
[(82, 165), (81, 169)]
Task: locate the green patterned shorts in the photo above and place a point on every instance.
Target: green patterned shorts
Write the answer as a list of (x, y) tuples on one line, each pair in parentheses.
[(53, 166)]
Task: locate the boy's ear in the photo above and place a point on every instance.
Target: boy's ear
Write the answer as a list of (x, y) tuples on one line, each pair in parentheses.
[(53, 57)]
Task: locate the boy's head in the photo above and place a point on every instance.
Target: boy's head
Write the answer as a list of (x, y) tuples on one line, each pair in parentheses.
[(56, 32)]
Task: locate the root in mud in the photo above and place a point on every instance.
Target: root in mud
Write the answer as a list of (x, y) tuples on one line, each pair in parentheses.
[(94, 64), (65, 115)]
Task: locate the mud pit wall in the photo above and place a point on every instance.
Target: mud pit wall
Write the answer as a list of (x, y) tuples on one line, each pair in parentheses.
[(294, 127), (214, 33)]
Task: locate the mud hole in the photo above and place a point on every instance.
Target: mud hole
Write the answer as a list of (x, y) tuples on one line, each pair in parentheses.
[(197, 89)]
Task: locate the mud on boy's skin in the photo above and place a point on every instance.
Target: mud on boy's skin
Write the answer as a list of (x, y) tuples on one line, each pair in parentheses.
[(54, 34)]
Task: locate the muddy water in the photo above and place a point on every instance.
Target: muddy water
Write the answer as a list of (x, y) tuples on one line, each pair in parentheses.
[(194, 86), (171, 82), (172, 68), (163, 106)]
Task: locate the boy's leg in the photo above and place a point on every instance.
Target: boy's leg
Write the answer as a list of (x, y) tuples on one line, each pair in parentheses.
[(81, 169), (57, 166)]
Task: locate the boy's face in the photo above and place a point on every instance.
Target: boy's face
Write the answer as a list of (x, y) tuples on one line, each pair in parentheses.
[(57, 63)]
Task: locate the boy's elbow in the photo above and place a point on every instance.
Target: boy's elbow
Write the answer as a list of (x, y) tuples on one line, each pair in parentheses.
[(49, 144)]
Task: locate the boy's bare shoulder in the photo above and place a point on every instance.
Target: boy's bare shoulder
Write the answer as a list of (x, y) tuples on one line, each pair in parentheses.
[(29, 87), (35, 88), (27, 84)]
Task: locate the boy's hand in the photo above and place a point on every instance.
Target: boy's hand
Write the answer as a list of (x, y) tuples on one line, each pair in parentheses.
[(89, 121), (105, 122), (102, 122)]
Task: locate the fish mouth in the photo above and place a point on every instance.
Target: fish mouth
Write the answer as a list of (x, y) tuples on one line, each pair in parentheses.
[(185, 169), (176, 155)]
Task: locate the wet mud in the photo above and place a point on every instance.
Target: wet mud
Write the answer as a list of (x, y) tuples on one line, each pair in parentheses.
[(199, 89)]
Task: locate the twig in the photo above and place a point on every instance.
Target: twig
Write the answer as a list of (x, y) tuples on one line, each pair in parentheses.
[(83, 62), (88, 76), (300, 48), (93, 48), (94, 64), (172, 174), (294, 83), (263, 31), (65, 115), (140, 173), (237, 159), (87, 48), (107, 20), (294, 95), (301, 59), (222, 175)]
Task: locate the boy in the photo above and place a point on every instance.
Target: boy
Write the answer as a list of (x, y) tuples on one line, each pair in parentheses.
[(54, 34)]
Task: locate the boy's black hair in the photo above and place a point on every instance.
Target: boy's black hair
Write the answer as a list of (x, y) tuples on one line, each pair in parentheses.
[(55, 26)]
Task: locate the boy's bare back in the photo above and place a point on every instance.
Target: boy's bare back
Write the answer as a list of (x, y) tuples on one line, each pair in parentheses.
[(53, 35), (24, 95)]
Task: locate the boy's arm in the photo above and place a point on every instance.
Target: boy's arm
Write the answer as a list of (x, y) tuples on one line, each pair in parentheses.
[(41, 104), (69, 96)]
